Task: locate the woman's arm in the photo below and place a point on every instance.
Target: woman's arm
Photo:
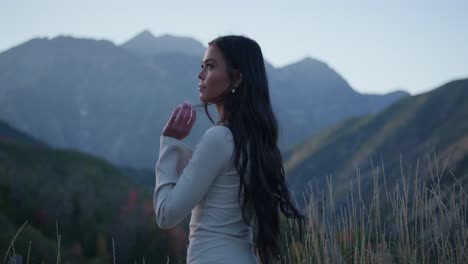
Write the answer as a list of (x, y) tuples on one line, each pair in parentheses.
[(175, 196)]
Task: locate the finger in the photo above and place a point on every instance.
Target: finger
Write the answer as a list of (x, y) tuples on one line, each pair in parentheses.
[(193, 118), (173, 117), (179, 119), (187, 114)]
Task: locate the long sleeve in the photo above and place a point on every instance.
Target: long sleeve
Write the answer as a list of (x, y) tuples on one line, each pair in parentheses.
[(184, 176)]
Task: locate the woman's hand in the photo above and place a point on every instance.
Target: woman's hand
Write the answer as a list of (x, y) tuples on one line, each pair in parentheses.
[(181, 122)]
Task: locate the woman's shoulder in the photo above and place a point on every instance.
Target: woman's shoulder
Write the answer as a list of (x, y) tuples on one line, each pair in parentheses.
[(218, 134), (219, 130)]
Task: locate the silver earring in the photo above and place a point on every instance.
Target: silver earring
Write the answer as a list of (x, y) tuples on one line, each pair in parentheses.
[(234, 88)]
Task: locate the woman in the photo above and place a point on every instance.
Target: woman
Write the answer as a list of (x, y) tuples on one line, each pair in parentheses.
[(234, 177)]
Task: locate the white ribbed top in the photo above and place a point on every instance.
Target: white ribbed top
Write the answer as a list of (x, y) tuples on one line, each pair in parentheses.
[(203, 181)]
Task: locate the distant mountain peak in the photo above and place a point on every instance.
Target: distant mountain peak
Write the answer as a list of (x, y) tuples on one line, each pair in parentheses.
[(145, 43), (145, 35), (310, 62), (306, 65), (146, 32), (308, 59), (70, 41)]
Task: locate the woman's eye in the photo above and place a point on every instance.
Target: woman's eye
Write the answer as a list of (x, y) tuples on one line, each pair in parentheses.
[(210, 66)]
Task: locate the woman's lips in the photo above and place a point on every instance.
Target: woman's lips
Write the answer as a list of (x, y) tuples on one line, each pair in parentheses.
[(200, 87)]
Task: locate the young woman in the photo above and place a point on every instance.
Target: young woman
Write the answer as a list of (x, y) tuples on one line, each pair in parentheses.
[(233, 182)]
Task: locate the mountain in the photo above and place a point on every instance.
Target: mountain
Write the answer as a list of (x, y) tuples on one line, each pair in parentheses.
[(93, 96), (429, 127), (86, 199), (310, 95), (145, 43), (99, 98), (11, 135)]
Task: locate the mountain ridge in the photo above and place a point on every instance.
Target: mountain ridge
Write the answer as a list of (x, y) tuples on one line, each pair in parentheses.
[(145, 43), (99, 98)]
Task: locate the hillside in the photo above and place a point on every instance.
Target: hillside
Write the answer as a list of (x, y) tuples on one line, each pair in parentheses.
[(11, 135), (430, 128), (87, 200)]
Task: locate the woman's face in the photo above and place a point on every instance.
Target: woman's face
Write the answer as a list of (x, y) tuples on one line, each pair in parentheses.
[(214, 77)]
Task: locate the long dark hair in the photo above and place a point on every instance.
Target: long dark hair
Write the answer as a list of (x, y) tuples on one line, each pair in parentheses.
[(249, 116)]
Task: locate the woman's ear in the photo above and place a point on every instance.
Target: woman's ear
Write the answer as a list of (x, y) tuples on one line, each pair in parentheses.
[(237, 78)]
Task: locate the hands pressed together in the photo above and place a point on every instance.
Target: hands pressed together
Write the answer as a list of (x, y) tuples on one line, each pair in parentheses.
[(181, 122)]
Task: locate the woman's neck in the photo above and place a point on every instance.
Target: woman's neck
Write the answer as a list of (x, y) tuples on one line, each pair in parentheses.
[(220, 108), (221, 121)]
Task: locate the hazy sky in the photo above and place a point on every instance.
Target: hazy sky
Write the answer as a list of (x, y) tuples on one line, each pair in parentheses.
[(377, 46)]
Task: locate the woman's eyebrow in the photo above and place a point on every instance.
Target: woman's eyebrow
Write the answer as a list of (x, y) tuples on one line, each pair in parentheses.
[(207, 60)]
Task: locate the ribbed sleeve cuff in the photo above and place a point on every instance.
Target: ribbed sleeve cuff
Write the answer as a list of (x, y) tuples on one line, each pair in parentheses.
[(166, 141)]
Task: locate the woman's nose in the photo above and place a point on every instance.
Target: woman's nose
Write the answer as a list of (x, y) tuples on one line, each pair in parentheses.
[(200, 75)]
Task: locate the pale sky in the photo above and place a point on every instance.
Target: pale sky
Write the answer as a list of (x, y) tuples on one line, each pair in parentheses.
[(377, 46)]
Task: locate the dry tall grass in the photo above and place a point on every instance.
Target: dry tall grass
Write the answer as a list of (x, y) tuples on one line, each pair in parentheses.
[(426, 221)]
